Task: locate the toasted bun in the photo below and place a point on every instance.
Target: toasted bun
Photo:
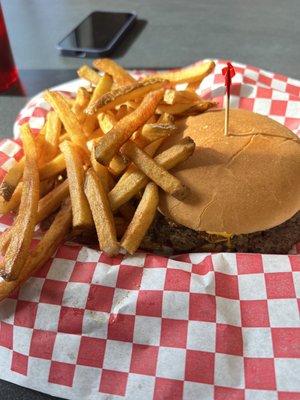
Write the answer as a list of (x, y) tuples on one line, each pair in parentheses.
[(246, 182)]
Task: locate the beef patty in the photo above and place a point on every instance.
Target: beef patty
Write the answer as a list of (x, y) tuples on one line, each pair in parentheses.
[(167, 237)]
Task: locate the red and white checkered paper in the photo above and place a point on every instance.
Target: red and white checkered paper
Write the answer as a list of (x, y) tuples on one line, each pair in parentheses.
[(196, 326)]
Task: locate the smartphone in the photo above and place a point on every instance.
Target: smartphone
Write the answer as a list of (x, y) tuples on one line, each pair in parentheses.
[(98, 34)]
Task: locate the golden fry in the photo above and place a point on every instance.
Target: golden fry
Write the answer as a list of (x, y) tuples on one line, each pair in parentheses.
[(89, 74), (150, 149), (68, 118), (193, 86), (142, 219), (166, 118), (189, 74), (120, 76), (82, 217), (123, 94), (52, 133), (51, 201), (13, 202), (118, 164), (102, 215), (102, 87), (44, 250), (106, 121), (18, 248), (102, 173), (121, 132), (5, 239), (46, 206), (122, 111), (175, 109), (53, 167), (181, 110), (198, 108), (135, 180), (154, 171), (81, 101), (12, 179), (173, 96), (156, 131)]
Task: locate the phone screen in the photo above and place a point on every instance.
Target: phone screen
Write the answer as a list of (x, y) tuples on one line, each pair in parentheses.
[(97, 31)]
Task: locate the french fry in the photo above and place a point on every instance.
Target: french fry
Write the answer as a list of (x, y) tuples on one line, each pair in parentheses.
[(166, 118), (175, 109), (122, 111), (142, 219), (18, 248), (89, 125), (97, 134), (52, 134), (117, 164), (106, 121), (4, 240), (102, 87), (81, 101), (154, 171), (68, 118), (193, 86), (184, 109), (52, 200), (133, 104), (156, 131), (46, 206), (89, 74), (125, 93), (150, 149), (82, 217), (176, 154), (120, 76), (136, 180), (13, 202), (102, 173), (139, 140), (64, 136), (12, 179), (44, 250), (197, 109), (173, 96), (102, 215), (189, 74), (121, 132), (53, 167)]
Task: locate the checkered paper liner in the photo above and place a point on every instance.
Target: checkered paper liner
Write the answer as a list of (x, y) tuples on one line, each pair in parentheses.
[(196, 326)]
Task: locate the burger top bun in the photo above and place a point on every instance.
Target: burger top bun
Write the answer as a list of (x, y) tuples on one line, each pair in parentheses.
[(246, 182)]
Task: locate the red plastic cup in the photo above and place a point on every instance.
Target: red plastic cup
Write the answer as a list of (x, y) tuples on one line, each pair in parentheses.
[(8, 70)]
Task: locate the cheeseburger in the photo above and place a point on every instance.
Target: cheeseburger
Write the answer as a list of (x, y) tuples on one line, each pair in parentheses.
[(244, 188)]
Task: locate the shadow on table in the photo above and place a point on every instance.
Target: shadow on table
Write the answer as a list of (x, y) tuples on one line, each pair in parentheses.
[(129, 38)]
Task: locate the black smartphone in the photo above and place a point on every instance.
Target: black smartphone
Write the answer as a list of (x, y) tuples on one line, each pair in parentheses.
[(98, 34)]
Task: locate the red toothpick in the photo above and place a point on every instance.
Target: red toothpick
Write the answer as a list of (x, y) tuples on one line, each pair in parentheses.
[(228, 72)]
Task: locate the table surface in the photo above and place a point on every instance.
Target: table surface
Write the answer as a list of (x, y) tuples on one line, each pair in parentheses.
[(168, 33)]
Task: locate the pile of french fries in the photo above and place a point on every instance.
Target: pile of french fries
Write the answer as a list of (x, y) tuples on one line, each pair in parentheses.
[(96, 165)]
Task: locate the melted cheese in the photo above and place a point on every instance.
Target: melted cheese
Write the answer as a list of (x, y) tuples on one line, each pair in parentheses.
[(226, 235)]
